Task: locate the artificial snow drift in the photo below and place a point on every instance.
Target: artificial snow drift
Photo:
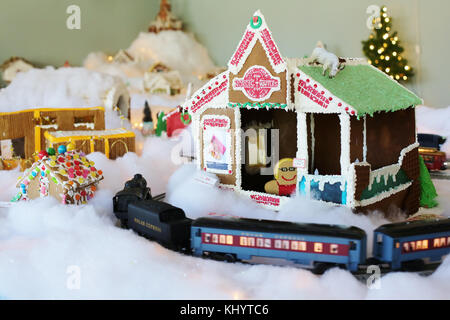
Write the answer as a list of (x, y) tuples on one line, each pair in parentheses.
[(59, 88), (42, 242), (176, 49)]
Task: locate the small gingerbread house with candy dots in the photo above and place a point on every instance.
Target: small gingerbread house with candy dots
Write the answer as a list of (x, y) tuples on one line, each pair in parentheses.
[(67, 176)]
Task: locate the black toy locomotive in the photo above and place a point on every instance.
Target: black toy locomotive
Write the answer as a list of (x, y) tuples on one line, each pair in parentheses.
[(135, 190), (318, 246)]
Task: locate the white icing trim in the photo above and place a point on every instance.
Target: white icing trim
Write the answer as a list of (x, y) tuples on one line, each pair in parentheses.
[(344, 121), (237, 60), (390, 170), (228, 143), (219, 84), (365, 139), (383, 195), (308, 85), (282, 200), (238, 147)]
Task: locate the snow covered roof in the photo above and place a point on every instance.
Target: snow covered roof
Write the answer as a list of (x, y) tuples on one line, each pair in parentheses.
[(364, 88), (58, 88)]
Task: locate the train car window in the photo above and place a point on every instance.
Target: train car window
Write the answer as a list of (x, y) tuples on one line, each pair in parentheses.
[(406, 247), (318, 247), (251, 242), (334, 248), (229, 239), (215, 238), (277, 244), (379, 238), (243, 241), (207, 237), (286, 244), (294, 245), (222, 239), (267, 243), (259, 242), (302, 246)]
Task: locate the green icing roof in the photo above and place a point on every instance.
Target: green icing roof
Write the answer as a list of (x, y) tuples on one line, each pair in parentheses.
[(365, 88)]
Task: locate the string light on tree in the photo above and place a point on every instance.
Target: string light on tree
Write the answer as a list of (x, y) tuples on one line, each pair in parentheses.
[(383, 49)]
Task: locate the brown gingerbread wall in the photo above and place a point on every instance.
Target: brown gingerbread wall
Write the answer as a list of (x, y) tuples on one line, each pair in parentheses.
[(258, 57), (387, 133)]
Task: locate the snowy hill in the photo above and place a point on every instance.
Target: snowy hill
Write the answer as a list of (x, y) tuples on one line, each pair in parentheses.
[(176, 49)]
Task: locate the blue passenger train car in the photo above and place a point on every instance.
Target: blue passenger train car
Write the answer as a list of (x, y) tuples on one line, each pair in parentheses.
[(306, 244), (397, 243)]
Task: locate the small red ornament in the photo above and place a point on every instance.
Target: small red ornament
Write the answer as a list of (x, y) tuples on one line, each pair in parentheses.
[(298, 74), (339, 104)]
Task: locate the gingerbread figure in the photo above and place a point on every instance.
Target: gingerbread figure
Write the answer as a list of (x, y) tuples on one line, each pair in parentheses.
[(285, 178)]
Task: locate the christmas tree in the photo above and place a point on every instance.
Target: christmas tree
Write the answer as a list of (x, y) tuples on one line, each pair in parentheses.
[(383, 49), (147, 113), (427, 189)]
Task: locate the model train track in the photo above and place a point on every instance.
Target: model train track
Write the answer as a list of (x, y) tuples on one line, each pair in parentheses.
[(159, 197), (441, 175)]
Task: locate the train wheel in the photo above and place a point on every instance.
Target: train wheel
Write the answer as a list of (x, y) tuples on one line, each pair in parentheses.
[(413, 265), (124, 223), (321, 267), (230, 257)]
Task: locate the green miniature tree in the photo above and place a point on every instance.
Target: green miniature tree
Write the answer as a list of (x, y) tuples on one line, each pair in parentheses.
[(383, 49), (427, 189)]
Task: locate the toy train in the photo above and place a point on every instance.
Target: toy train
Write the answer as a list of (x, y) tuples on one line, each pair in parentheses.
[(430, 150), (317, 246)]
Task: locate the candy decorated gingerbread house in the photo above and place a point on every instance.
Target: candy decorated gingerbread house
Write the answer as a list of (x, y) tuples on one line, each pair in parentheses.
[(68, 176), (272, 128)]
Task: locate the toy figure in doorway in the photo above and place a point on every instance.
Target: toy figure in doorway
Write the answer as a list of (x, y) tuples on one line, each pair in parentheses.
[(285, 178)]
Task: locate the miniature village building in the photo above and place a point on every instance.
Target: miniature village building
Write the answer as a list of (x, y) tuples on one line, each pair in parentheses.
[(122, 56), (165, 20), (28, 131), (68, 176), (351, 139), (160, 79), (11, 67)]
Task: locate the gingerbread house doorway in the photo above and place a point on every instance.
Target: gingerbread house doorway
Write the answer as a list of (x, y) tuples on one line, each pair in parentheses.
[(267, 136), (324, 143)]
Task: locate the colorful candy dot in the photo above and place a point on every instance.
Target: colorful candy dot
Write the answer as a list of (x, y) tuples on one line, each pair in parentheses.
[(42, 154), (62, 149)]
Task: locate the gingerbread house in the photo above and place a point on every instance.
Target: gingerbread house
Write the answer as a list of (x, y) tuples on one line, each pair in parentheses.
[(11, 67), (67, 176), (351, 139), (165, 19)]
